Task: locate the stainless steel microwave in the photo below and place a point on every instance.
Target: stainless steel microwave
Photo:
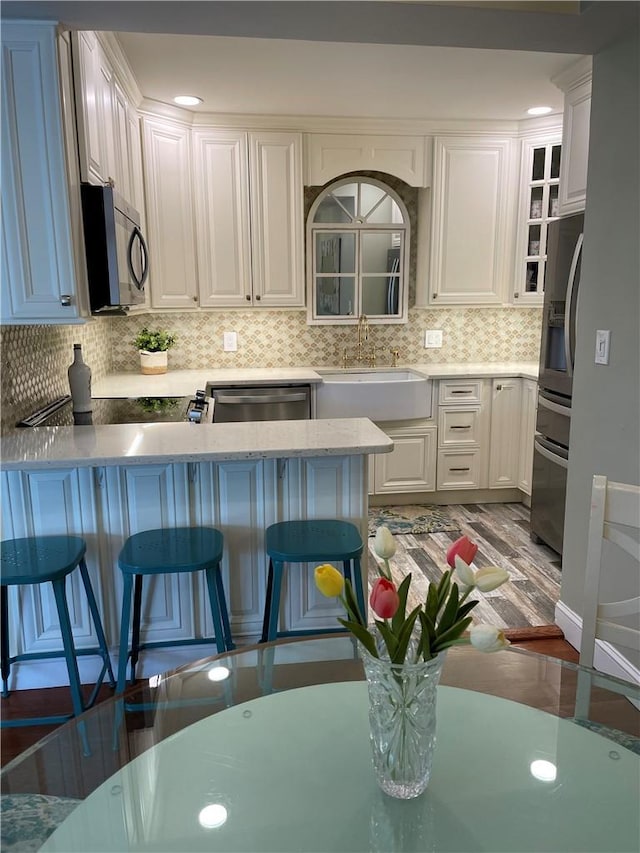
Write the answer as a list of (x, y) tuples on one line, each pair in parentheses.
[(116, 251)]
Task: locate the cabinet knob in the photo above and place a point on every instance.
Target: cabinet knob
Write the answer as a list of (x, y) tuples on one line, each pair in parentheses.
[(248, 298), (435, 295), (258, 297), (195, 298), (498, 387), (516, 295), (65, 300)]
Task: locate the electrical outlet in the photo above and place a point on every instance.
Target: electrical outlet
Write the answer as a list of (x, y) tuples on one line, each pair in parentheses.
[(433, 338), (603, 339), (230, 341)]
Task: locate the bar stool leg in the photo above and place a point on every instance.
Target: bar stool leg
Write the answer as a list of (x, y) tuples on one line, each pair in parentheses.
[(274, 610), (4, 641), (224, 612), (357, 583), (215, 610), (135, 636), (93, 607), (69, 648), (123, 653), (268, 603)]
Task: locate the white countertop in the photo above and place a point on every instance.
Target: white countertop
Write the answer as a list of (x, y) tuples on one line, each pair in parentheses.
[(184, 383), (146, 444)]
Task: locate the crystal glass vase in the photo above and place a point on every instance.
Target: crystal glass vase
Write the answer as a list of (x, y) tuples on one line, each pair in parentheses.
[(402, 721)]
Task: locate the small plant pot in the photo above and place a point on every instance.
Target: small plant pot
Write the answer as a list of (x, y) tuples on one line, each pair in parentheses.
[(153, 362)]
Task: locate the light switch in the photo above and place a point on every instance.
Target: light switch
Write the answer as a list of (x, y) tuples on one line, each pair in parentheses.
[(603, 338), (433, 338), (230, 341)]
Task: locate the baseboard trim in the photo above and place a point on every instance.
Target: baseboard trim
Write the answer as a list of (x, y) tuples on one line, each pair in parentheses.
[(606, 658), (449, 496)]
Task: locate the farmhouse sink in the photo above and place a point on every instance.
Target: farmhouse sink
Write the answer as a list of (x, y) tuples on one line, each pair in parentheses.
[(382, 395)]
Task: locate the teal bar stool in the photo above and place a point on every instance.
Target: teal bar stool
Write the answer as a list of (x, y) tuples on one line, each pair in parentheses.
[(318, 541), (50, 559), (158, 552)]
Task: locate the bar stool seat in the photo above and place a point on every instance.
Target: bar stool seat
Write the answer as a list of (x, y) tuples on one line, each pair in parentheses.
[(174, 550), (312, 541), (50, 559)]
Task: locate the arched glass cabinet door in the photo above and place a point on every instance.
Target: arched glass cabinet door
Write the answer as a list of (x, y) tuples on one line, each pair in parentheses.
[(357, 254)]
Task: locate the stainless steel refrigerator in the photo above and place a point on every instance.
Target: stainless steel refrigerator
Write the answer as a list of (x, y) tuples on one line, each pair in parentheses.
[(557, 354)]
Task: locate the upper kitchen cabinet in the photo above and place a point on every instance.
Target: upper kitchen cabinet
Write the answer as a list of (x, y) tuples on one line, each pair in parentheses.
[(575, 82), (331, 155), (40, 199), (471, 223), (246, 191), (170, 227), (538, 206), (109, 141)]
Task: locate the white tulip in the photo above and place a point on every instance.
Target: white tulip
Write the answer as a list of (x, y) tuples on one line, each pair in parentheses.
[(464, 572), (488, 638), (384, 544), (490, 577)]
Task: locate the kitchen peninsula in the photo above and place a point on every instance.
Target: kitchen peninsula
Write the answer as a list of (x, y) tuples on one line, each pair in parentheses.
[(106, 482)]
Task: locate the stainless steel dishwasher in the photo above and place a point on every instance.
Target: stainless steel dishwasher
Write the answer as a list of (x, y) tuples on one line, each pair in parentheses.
[(262, 403)]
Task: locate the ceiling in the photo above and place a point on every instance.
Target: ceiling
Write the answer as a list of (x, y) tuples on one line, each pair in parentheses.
[(292, 77)]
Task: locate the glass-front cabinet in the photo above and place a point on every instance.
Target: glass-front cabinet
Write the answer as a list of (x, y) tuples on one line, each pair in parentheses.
[(538, 207), (357, 254)]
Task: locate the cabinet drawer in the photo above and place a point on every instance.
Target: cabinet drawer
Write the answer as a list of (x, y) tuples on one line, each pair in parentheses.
[(458, 426), (458, 469), (461, 391)]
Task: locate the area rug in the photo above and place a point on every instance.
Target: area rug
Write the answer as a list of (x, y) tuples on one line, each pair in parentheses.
[(411, 519)]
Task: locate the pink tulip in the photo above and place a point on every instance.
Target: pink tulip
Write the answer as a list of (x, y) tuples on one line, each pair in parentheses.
[(384, 598), (463, 548)]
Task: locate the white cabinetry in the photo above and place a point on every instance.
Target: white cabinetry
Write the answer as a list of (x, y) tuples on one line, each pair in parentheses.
[(330, 155), (411, 465), (39, 281), (462, 434), (471, 225), (504, 445), (167, 163), (575, 82), (528, 409)]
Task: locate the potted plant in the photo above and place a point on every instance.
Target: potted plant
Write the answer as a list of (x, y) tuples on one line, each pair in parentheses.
[(153, 348)]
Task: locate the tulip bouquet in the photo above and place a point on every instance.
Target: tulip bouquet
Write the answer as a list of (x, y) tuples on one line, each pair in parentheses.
[(442, 619)]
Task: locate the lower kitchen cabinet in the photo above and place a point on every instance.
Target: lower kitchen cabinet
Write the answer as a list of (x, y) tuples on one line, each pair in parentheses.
[(463, 426), (504, 444), (411, 466), (528, 409)]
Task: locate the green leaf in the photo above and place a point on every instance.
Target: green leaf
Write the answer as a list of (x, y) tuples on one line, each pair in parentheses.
[(361, 634), (428, 635), (390, 640), (398, 618), (443, 588), (446, 639), (465, 608), (404, 636), (431, 606), (450, 611), (352, 605)]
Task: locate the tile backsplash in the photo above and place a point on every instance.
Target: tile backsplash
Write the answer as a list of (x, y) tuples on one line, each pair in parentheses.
[(35, 358)]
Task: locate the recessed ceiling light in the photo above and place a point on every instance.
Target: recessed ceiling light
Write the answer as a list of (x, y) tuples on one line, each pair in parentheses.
[(187, 100), (539, 111)]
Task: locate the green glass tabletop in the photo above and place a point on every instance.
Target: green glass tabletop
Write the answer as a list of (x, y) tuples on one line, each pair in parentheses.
[(267, 750)]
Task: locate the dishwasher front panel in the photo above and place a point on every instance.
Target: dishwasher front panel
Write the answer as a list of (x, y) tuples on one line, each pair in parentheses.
[(263, 403)]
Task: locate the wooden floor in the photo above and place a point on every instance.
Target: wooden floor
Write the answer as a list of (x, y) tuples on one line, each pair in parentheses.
[(501, 532)]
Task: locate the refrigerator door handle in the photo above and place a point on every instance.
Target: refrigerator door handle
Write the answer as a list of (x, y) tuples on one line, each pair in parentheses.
[(568, 314), (554, 407), (548, 454)]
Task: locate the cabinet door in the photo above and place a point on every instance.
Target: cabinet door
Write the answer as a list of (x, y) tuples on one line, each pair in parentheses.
[(472, 212), (221, 192), (91, 145), (107, 115), (167, 171), (575, 149), (38, 275), (122, 173), (277, 232), (527, 433), (411, 465), (48, 503), (331, 155), (504, 445)]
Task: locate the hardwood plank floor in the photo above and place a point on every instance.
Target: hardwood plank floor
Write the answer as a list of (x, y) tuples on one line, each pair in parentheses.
[(501, 532)]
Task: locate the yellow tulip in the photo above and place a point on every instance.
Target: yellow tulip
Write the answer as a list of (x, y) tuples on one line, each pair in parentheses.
[(490, 577), (329, 580)]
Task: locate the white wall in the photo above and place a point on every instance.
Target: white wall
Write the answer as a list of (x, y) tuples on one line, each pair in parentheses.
[(605, 431)]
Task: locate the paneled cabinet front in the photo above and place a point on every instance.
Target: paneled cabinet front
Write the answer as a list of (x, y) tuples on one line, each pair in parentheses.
[(504, 447)]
